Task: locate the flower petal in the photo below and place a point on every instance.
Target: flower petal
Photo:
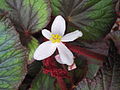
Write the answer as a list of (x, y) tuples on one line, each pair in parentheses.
[(45, 50), (72, 36), (65, 54), (58, 26), (73, 66), (46, 33), (58, 59)]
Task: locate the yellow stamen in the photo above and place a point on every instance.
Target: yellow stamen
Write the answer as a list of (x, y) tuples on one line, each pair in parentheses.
[(55, 38)]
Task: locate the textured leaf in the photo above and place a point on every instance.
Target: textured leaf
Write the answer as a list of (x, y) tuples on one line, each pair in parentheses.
[(93, 17), (43, 82), (112, 70), (118, 8), (33, 69), (29, 15), (32, 45), (92, 70), (78, 73), (12, 58), (83, 69), (2, 13), (55, 6), (108, 76), (115, 36), (87, 84), (98, 47), (3, 5)]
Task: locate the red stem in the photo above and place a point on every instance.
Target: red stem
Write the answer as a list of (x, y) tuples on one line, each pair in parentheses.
[(85, 52), (61, 83)]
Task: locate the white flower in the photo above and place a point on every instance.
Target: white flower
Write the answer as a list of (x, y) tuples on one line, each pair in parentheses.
[(56, 37)]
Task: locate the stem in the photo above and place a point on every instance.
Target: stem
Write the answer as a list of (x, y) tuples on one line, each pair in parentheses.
[(61, 83), (86, 52)]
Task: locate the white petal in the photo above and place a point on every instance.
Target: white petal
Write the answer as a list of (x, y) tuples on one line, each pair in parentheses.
[(73, 66), (65, 54), (72, 36), (46, 33), (58, 59), (45, 50), (58, 26)]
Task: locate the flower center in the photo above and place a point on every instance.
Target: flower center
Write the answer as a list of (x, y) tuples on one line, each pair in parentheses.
[(55, 38)]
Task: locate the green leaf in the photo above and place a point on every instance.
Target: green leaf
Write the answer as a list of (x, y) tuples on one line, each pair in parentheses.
[(83, 69), (111, 68), (78, 73), (108, 76), (55, 4), (3, 5), (12, 58), (92, 70), (32, 45), (2, 13), (43, 10), (115, 36), (29, 15), (33, 69), (43, 82), (93, 17)]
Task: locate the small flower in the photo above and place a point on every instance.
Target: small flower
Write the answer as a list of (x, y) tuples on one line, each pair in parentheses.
[(56, 37)]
